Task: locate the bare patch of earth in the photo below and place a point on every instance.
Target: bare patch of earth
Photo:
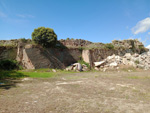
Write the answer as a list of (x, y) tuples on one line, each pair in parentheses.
[(92, 92)]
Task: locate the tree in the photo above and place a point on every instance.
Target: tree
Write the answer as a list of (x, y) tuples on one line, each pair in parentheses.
[(44, 36)]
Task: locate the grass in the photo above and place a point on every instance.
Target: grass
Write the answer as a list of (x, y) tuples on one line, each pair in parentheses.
[(11, 74), (37, 73)]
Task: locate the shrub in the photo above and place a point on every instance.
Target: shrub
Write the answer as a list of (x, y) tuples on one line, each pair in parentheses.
[(68, 39), (44, 36), (23, 40), (109, 46), (81, 48), (137, 62), (8, 65), (81, 61)]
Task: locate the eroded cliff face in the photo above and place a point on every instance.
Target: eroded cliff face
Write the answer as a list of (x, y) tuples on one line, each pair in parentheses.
[(8, 53), (98, 53), (34, 56), (74, 43)]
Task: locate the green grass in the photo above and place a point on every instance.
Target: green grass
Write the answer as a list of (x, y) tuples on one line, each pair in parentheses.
[(38, 73), (11, 74)]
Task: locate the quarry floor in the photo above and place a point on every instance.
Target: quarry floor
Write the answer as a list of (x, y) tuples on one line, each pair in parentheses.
[(88, 92)]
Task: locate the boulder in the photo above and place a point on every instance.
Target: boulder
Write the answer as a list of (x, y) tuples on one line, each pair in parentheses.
[(128, 56), (113, 64), (54, 70), (125, 61), (140, 66), (77, 66), (98, 64), (111, 57)]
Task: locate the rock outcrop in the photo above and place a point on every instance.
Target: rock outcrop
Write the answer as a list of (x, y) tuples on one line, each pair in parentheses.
[(73, 43), (66, 52), (34, 57), (8, 52), (120, 48)]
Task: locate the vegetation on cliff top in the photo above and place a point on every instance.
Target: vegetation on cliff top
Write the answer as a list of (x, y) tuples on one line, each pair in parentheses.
[(44, 36)]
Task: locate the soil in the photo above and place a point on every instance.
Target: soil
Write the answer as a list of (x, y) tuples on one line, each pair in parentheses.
[(88, 92)]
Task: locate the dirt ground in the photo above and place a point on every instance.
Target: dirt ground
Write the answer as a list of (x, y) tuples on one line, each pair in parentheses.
[(91, 92)]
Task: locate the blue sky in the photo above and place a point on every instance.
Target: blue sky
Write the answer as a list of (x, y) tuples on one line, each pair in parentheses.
[(93, 20)]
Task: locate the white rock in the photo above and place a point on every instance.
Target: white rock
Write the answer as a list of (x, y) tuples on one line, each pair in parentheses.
[(54, 70), (117, 68), (125, 61), (113, 64), (99, 63), (140, 66), (128, 55), (77, 66), (136, 55), (96, 68), (111, 57)]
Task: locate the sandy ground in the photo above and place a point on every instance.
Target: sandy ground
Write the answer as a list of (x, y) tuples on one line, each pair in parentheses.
[(92, 92)]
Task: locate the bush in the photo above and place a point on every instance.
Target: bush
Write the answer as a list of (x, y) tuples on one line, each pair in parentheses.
[(23, 40), (8, 65), (44, 36), (109, 46), (83, 62), (67, 38)]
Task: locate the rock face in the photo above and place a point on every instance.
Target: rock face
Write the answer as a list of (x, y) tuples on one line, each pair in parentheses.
[(71, 51), (86, 56), (8, 53), (11, 43), (75, 43), (120, 49), (130, 44), (35, 57)]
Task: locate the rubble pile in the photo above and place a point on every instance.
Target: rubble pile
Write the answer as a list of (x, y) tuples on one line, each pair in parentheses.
[(77, 67), (136, 60)]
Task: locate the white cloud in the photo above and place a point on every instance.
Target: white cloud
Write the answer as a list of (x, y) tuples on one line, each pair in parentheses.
[(142, 26), (148, 33), (148, 47)]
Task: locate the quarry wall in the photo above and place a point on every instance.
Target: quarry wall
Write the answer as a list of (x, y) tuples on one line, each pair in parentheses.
[(8, 52), (34, 56)]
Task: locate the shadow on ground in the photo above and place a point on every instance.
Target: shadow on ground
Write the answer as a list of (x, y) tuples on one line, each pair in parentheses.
[(8, 79)]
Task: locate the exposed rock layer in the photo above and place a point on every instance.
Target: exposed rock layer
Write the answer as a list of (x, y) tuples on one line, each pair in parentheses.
[(33, 57)]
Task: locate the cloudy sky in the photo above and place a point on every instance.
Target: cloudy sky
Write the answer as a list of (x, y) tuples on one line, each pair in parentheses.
[(93, 20)]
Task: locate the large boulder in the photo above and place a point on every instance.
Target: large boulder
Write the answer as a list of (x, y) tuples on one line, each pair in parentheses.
[(98, 64)]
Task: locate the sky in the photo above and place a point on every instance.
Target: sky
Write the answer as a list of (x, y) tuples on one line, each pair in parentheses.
[(93, 20)]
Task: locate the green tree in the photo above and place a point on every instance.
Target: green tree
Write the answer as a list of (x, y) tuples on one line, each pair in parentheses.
[(44, 36)]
